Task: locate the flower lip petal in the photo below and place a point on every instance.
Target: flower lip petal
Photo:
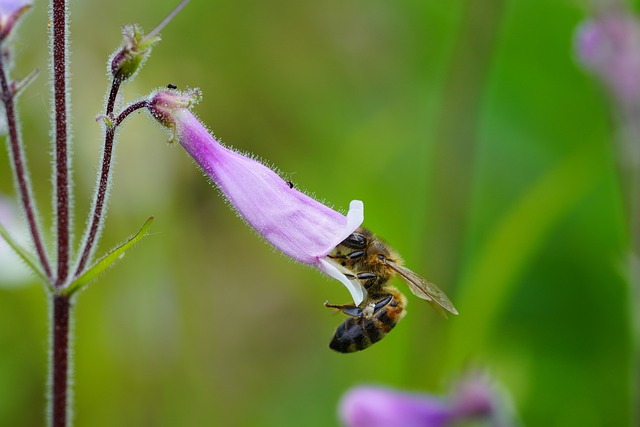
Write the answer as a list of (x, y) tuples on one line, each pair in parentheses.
[(357, 291), (355, 218)]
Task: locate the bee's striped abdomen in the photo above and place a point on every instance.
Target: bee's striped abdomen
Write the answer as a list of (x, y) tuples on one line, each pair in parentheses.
[(358, 333)]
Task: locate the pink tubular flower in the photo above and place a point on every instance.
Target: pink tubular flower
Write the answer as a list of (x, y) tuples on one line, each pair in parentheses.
[(293, 222), (10, 12)]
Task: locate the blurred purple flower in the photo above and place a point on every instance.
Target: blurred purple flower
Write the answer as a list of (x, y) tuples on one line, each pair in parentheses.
[(10, 12), (381, 407), (609, 46), (473, 399), (293, 222)]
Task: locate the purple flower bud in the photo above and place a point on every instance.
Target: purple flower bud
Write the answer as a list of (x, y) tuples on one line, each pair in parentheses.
[(10, 12), (609, 46), (299, 226)]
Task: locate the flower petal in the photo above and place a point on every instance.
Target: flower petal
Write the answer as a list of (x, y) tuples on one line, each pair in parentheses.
[(380, 407), (358, 293), (293, 222)]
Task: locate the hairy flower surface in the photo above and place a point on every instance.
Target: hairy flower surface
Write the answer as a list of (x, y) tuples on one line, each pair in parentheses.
[(294, 223)]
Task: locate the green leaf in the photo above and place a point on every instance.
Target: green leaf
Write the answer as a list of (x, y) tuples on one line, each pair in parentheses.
[(492, 274), (25, 255), (117, 253)]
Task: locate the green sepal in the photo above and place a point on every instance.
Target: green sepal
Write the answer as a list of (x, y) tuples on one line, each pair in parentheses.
[(136, 48), (90, 274), (26, 256)]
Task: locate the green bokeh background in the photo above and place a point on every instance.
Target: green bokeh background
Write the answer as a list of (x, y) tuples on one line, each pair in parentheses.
[(481, 150)]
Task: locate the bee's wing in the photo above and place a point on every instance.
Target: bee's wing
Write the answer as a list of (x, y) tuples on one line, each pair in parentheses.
[(424, 289)]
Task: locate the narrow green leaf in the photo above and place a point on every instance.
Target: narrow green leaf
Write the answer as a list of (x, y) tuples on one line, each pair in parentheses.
[(26, 256), (117, 253), (492, 274)]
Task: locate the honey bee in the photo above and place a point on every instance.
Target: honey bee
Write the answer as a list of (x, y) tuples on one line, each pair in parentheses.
[(371, 261)]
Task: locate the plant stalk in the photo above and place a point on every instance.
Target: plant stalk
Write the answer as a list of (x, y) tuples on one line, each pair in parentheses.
[(103, 183), (20, 168), (629, 172), (60, 369), (60, 361), (60, 94)]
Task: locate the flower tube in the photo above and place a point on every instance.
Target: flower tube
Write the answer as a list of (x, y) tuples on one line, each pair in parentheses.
[(294, 223)]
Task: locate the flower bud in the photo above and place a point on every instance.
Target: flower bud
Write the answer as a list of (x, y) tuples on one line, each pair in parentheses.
[(135, 50)]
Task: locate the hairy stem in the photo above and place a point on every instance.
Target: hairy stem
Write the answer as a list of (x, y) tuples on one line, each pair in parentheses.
[(20, 168), (60, 367), (103, 183), (629, 172), (60, 83), (59, 361)]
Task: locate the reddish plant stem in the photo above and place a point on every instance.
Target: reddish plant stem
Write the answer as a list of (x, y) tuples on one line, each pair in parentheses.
[(130, 109), (103, 183), (60, 399), (61, 314), (20, 168), (59, 50)]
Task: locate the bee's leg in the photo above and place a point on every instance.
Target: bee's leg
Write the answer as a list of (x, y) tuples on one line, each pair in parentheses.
[(367, 279), (382, 303), (349, 310), (352, 255)]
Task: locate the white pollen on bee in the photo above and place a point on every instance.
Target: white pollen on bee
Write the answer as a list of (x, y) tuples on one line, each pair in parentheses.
[(367, 312)]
